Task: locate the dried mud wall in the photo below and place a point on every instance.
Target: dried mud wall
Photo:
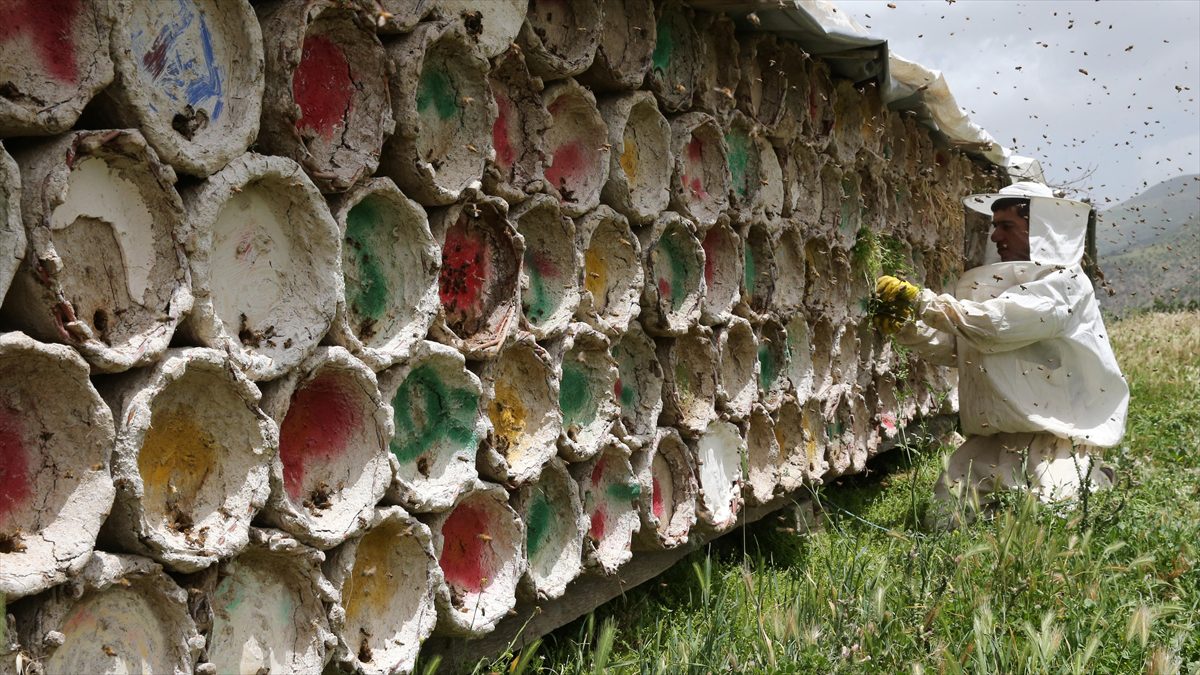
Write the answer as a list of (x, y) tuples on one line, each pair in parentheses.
[(332, 326)]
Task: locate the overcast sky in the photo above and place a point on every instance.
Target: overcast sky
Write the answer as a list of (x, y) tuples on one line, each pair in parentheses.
[(1018, 68)]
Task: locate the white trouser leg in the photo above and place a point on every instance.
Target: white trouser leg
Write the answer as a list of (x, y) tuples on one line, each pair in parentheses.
[(1050, 467)]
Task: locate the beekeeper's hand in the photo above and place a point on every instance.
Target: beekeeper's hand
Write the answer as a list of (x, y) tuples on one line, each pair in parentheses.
[(893, 291), (894, 303), (887, 324)]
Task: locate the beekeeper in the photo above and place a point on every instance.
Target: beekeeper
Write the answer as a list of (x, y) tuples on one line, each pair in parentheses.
[(1040, 392)]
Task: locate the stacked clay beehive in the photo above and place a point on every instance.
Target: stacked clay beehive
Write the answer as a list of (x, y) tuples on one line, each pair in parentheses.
[(504, 293)]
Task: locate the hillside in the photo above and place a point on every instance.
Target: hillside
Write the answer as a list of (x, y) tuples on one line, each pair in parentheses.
[(1149, 247), (1157, 214)]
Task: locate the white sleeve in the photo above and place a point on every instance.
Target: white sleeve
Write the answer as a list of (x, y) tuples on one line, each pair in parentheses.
[(935, 346), (1022, 315)]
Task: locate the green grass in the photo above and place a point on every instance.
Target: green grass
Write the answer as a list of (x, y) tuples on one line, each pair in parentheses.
[(1106, 588)]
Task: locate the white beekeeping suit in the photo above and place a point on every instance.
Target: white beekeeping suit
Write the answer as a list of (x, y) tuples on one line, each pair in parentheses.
[(1040, 392)]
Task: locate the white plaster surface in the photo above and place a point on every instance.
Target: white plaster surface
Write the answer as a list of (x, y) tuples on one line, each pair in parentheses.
[(719, 457), (96, 190), (120, 615), (386, 580), (270, 609), (214, 484), (70, 490)]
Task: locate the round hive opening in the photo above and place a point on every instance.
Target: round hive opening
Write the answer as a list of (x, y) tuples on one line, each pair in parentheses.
[(832, 199), (103, 208), (666, 470), (190, 77), (438, 415), (888, 412), (675, 63), (845, 357), (718, 71), (675, 274), (774, 362), (870, 351), (771, 192), (739, 352), (553, 514), (330, 441), (816, 438), (494, 24), (266, 614), (56, 488), (259, 243), (612, 270), (701, 184), (788, 296), (767, 85), (452, 112), (577, 164), (524, 411), (121, 242), (550, 290), (575, 397), (586, 393), (850, 212), (805, 194), (719, 457), (762, 457), (610, 495), (506, 132), (323, 82), (662, 492), (857, 420), (639, 385), (758, 269), (387, 591), (389, 263), (819, 278), (560, 36), (479, 550), (626, 44), (518, 130), (63, 56), (822, 336), (691, 381), (128, 627), (201, 450), (838, 435), (789, 433), (640, 176), (723, 271), (340, 90), (744, 159), (800, 371), (477, 284)]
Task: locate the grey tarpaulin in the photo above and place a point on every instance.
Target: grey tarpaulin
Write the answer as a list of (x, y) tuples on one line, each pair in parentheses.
[(855, 53)]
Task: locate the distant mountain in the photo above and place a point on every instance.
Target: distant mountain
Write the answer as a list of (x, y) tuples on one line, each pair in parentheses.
[(1157, 214), (1149, 247)]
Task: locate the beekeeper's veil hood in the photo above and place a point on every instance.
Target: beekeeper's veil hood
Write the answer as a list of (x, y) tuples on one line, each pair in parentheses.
[(1057, 227)]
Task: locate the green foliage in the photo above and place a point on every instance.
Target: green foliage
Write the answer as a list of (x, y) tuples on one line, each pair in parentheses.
[(878, 254), (1106, 586)]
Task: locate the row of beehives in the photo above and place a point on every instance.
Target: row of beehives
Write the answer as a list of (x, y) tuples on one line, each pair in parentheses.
[(373, 601), (188, 492), (267, 264)]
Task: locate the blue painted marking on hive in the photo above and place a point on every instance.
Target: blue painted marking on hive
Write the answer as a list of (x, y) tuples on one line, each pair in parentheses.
[(187, 75)]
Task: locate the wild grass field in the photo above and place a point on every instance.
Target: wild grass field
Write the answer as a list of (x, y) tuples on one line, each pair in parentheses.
[(1110, 586)]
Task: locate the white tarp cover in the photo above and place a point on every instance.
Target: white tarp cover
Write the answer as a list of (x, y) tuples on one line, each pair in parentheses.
[(853, 52)]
